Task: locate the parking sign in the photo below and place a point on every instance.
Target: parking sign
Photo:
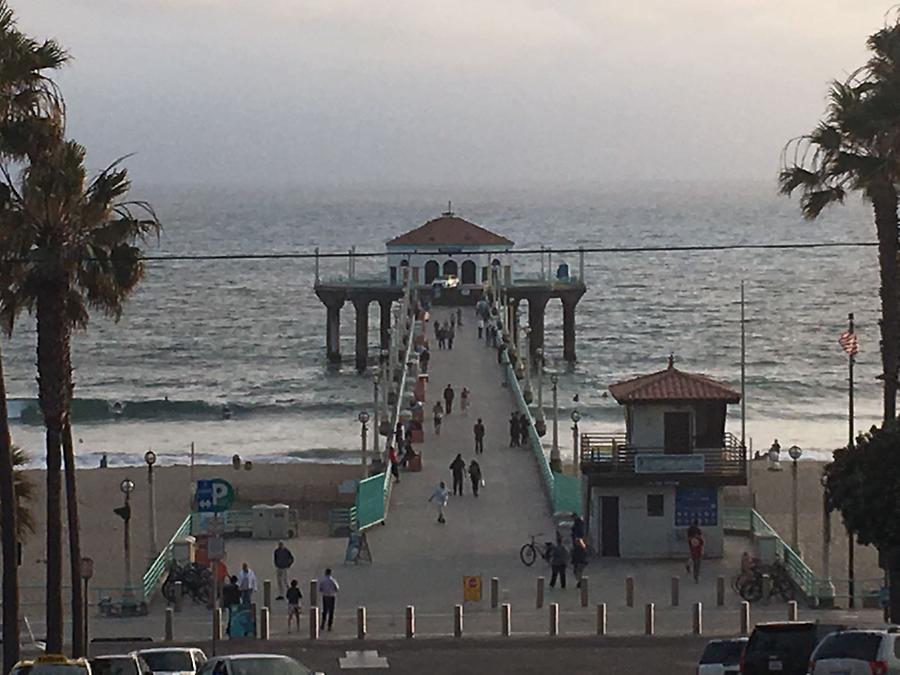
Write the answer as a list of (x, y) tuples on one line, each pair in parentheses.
[(214, 496)]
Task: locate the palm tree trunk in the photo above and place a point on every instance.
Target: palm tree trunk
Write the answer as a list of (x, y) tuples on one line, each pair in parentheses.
[(78, 646), (884, 201), (54, 374), (10, 539)]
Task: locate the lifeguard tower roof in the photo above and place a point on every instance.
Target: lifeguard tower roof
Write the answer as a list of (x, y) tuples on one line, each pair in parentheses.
[(672, 384), (450, 230)]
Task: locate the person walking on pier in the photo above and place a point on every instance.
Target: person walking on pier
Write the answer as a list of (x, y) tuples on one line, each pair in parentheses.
[(438, 412), (458, 467), (449, 395), (451, 333), (524, 423), (464, 400), (695, 545), (294, 596), (424, 358), (283, 561), (478, 429), (579, 559), (475, 475), (441, 336), (559, 560), (480, 328), (514, 430), (440, 497), (247, 585), (328, 589)]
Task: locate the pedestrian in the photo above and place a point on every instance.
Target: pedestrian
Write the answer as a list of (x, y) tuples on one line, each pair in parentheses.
[(578, 530), (559, 560), (440, 497), (480, 328), (328, 589), (451, 333), (246, 585), (579, 560), (398, 433), (524, 423), (464, 400), (453, 321), (478, 430), (514, 430), (424, 358), (458, 467), (475, 475), (283, 561), (459, 316), (437, 330), (294, 595), (231, 599), (442, 337), (395, 464), (695, 545), (449, 394), (438, 412)]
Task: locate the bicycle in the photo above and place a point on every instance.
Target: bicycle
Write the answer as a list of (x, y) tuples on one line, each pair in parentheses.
[(751, 589), (530, 551), (195, 581)]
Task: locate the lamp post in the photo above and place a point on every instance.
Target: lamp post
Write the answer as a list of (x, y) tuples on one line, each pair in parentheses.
[(795, 452), (150, 459), (576, 448), (87, 571), (127, 487), (826, 592), (363, 418), (774, 457), (555, 461), (539, 423), (375, 381)]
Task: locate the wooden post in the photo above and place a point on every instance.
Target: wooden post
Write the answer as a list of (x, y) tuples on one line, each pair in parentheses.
[(505, 620), (457, 621), (629, 591), (264, 623), (360, 623), (314, 623), (745, 618), (601, 619), (698, 618), (585, 594), (553, 628), (495, 592), (217, 624), (720, 592), (255, 616), (674, 592), (410, 622), (649, 619), (792, 610), (540, 593), (170, 620), (267, 593)]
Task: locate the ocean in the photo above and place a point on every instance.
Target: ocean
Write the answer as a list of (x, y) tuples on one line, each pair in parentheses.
[(250, 334)]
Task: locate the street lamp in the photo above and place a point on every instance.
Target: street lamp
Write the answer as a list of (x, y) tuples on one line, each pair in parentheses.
[(576, 454), (150, 459), (539, 424), (87, 571), (363, 418), (375, 380), (795, 452), (555, 461), (127, 487), (775, 456)]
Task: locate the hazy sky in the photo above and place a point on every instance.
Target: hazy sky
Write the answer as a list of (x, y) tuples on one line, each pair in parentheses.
[(454, 91)]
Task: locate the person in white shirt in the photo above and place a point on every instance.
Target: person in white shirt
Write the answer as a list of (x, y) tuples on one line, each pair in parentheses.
[(440, 497), (246, 585), (328, 589)]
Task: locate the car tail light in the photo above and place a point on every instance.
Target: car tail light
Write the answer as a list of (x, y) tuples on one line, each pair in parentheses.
[(878, 667)]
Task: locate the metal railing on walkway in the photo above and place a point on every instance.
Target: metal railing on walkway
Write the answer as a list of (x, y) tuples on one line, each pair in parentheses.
[(153, 577)]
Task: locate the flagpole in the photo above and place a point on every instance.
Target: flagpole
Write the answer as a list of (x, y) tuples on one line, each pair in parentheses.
[(851, 584), (747, 464)]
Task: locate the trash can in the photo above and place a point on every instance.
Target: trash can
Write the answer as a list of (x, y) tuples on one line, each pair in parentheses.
[(184, 550)]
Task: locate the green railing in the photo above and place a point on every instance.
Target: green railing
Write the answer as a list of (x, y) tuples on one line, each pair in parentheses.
[(153, 577), (370, 502)]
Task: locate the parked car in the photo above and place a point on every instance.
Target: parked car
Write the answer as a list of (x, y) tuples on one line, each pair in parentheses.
[(173, 660), (783, 647), (119, 664), (853, 652), (52, 664), (255, 664), (722, 657)]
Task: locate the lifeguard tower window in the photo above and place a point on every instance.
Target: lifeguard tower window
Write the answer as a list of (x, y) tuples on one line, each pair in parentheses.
[(677, 433), (655, 506)]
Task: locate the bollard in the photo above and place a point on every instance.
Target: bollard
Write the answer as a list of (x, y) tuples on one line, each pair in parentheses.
[(629, 591), (360, 623), (505, 620), (267, 593), (178, 593), (217, 624), (698, 618), (540, 592), (553, 628), (745, 618), (792, 610), (170, 620), (674, 591), (410, 622), (601, 619), (313, 593), (720, 592), (767, 589), (255, 617), (585, 595), (649, 619), (457, 621), (495, 592), (264, 623), (314, 623)]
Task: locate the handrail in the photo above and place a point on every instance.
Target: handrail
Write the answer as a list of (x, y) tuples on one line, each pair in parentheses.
[(152, 578)]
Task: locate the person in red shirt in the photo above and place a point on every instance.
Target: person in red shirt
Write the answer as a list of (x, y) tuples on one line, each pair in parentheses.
[(695, 544)]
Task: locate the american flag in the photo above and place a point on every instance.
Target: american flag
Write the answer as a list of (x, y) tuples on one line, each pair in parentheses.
[(849, 343)]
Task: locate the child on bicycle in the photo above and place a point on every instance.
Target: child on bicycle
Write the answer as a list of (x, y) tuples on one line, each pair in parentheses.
[(294, 595)]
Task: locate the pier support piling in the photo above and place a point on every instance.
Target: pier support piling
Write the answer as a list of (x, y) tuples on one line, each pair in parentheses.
[(385, 325), (362, 333), (333, 330), (569, 329), (361, 628), (537, 305)]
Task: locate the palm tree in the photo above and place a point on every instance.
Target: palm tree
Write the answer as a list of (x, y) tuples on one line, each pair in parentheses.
[(24, 494), (30, 114), (856, 148), (72, 246)]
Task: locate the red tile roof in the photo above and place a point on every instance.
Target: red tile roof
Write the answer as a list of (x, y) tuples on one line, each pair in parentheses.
[(450, 230), (672, 384)]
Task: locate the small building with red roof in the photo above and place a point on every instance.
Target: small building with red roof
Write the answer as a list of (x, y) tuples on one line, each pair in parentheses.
[(644, 488)]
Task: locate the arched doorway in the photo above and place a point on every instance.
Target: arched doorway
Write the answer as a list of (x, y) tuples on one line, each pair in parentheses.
[(450, 267), (468, 272), (432, 271)]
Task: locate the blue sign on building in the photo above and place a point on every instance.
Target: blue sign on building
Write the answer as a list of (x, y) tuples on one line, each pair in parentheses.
[(700, 504)]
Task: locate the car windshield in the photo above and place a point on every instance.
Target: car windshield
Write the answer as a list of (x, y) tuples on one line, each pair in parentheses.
[(861, 646), (793, 643), (726, 652), (252, 666), (52, 669), (122, 665), (168, 662)]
